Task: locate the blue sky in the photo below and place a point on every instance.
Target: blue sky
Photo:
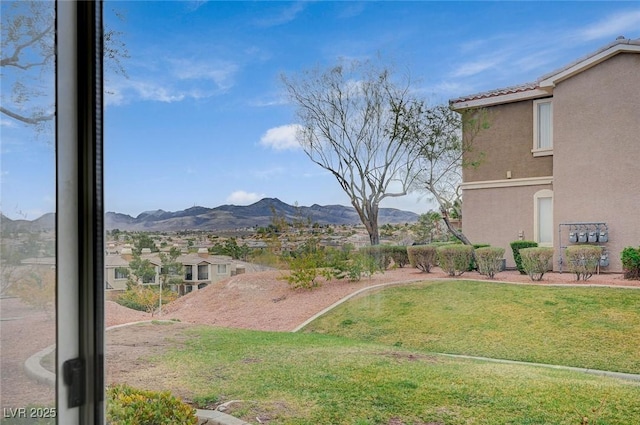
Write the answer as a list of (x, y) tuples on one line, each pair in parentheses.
[(202, 118)]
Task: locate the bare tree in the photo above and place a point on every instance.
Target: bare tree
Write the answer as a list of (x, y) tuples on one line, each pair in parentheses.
[(444, 143), (27, 59), (356, 123)]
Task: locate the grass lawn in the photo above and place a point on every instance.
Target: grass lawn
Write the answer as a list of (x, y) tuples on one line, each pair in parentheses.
[(596, 328), (319, 379)]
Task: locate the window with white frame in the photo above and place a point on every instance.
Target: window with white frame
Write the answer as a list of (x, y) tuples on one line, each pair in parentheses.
[(543, 217), (222, 269), (542, 127), (203, 272)]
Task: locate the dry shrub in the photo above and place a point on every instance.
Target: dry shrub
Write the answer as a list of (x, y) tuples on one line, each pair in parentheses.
[(536, 261)]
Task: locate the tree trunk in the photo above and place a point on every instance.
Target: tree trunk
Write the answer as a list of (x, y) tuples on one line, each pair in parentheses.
[(455, 232), (374, 234)]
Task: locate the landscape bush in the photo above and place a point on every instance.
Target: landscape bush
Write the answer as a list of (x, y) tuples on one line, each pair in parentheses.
[(304, 270), (422, 257), (360, 265), (379, 253), (516, 246), (489, 260), (145, 298), (130, 406), (583, 260), (455, 259), (536, 261), (472, 265), (630, 258), (397, 253)]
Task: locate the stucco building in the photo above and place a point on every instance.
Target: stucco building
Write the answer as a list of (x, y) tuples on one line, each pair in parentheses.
[(199, 270), (561, 158)]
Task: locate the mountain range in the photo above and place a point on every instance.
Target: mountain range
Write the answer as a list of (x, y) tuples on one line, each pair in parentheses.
[(224, 217), (261, 213)]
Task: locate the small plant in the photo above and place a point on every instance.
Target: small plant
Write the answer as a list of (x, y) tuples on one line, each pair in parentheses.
[(422, 257), (304, 269), (630, 258), (536, 261), (145, 298), (516, 246), (455, 259), (583, 260), (129, 406), (489, 260)]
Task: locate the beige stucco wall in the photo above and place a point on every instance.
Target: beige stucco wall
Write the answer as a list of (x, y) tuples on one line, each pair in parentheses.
[(110, 277), (596, 161), (497, 215), (506, 146)]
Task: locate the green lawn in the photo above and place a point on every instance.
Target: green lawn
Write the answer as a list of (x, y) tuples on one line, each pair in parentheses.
[(595, 328), (319, 379)]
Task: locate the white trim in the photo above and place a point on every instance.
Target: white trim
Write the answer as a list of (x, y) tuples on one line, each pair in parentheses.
[(541, 194), (490, 184), (538, 151), (542, 152), (500, 99), (551, 81)]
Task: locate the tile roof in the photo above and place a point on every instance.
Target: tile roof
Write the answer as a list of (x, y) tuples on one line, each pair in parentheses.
[(497, 92), (536, 85)]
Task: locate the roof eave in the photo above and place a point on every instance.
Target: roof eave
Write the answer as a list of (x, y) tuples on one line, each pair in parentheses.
[(500, 99), (551, 80)]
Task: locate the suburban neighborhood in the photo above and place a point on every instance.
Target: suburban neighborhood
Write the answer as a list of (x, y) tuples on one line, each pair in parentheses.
[(319, 213)]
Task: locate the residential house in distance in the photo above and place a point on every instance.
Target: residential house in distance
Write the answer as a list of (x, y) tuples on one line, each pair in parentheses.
[(562, 158), (200, 269)]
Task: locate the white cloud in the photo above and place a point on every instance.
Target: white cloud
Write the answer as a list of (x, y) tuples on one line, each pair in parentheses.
[(185, 79), (472, 68), (281, 138), (612, 26), (220, 72), (7, 123), (240, 197), (285, 15)]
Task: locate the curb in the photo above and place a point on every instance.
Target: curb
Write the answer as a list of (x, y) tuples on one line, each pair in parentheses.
[(606, 373), (33, 367), (348, 297), (214, 417)]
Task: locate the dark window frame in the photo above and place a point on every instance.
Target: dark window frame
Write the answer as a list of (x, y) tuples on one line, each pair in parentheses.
[(80, 327)]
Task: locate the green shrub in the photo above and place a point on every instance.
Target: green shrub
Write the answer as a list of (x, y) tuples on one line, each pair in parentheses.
[(398, 254), (304, 269), (379, 253), (361, 264), (536, 261), (489, 260), (472, 265), (516, 246), (455, 259), (422, 257), (129, 406), (583, 260), (630, 258), (145, 297)]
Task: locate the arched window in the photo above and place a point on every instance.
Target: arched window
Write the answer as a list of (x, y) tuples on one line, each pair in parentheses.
[(543, 217)]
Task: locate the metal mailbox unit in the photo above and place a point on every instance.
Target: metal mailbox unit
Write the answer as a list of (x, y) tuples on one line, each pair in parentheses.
[(594, 233)]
